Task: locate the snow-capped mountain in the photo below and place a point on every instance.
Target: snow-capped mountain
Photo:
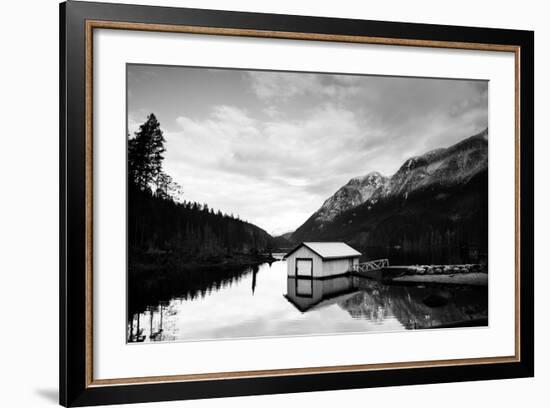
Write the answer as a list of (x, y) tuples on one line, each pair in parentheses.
[(441, 167), (355, 192), (434, 175)]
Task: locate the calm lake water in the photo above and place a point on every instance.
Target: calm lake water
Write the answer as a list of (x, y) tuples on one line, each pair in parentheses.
[(262, 301)]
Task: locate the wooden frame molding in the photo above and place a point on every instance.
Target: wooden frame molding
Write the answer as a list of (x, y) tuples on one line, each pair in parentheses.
[(97, 24), (289, 35)]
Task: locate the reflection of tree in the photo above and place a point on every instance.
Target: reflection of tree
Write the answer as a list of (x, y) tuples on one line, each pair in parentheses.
[(255, 270), (377, 302), (154, 334), (135, 333), (364, 306), (154, 331), (184, 290)]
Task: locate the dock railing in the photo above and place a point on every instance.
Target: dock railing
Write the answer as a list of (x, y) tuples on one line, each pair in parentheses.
[(369, 266)]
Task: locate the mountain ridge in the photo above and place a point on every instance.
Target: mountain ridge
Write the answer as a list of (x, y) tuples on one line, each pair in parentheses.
[(457, 173)]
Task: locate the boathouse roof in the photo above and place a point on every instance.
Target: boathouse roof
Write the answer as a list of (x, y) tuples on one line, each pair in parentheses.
[(328, 250)]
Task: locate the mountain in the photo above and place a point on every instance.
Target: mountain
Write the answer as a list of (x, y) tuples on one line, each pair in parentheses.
[(436, 200), (283, 242), (441, 167), (357, 191), (287, 235)]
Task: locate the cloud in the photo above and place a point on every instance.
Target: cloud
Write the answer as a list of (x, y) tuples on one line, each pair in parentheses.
[(292, 152), (282, 86), (276, 85)]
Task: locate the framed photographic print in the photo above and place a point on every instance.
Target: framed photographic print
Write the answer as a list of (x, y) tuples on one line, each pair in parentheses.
[(256, 203)]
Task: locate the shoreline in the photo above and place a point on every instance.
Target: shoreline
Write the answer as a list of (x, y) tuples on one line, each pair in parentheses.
[(467, 274), (157, 278), (473, 279), (169, 262)]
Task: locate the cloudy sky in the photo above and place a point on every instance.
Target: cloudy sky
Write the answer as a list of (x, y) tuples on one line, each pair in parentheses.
[(272, 146)]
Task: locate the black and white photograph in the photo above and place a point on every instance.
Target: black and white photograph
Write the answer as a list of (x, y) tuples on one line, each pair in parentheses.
[(275, 203)]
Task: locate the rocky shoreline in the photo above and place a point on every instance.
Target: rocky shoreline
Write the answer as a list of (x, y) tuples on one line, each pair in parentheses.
[(465, 274), (469, 278), (440, 269)]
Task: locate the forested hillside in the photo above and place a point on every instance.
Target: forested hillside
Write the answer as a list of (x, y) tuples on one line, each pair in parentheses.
[(188, 230), (164, 226)]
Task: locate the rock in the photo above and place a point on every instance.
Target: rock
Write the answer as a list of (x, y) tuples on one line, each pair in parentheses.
[(417, 270)]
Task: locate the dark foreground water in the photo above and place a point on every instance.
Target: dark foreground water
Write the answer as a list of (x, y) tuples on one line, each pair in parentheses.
[(262, 301)]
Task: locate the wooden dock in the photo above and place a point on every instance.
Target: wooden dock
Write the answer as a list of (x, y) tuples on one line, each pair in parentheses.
[(380, 269)]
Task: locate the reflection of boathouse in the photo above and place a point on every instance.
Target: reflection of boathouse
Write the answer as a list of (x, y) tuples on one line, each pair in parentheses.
[(309, 294), (321, 259)]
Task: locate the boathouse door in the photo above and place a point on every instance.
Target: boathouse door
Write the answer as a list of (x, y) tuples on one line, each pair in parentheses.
[(304, 267)]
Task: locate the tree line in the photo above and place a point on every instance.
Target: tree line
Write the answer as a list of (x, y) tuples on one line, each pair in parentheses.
[(162, 222)]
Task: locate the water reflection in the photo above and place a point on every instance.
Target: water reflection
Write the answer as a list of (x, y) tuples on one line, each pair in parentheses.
[(309, 294), (415, 307), (255, 270), (262, 301)]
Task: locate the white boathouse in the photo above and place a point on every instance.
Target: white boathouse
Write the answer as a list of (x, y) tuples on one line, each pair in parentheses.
[(321, 259)]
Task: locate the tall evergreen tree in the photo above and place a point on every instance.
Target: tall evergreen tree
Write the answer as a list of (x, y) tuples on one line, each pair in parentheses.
[(145, 154)]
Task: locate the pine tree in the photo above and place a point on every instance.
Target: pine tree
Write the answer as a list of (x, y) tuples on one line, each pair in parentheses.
[(145, 154)]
